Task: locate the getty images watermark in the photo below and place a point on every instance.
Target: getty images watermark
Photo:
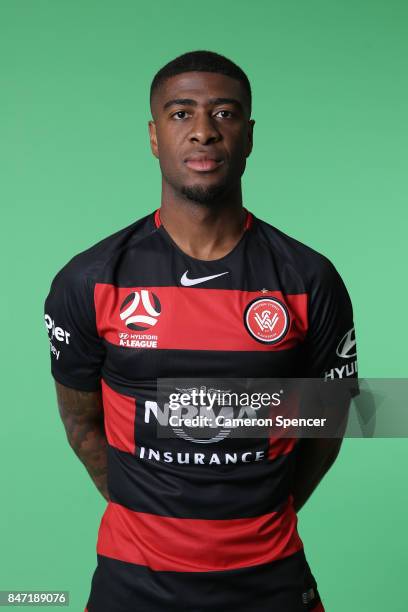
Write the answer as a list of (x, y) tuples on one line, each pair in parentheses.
[(211, 409), (214, 408)]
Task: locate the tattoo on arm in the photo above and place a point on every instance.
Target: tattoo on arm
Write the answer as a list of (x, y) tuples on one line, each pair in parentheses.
[(82, 415)]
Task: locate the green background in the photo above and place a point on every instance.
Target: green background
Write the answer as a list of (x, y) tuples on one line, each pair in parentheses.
[(329, 167)]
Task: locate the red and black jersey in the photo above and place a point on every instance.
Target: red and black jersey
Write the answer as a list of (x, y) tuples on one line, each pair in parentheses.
[(192, 525)]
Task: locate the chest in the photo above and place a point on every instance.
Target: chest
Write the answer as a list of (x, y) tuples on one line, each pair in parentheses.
[(173, 330)]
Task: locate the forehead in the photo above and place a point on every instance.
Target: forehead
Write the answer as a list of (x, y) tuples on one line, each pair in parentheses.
[(198, 86)]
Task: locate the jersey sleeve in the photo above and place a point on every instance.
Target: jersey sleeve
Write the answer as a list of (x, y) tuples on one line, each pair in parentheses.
[(76, 350), (331, 342)]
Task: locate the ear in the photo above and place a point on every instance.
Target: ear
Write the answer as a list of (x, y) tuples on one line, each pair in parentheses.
[(250, 136), (153, 138)]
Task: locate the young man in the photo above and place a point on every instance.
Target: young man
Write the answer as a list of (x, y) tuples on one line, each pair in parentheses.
[(199, 288)]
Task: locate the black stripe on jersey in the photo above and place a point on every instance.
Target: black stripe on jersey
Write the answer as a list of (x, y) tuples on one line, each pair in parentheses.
[(157, 488), (181, 363), (118, 586)]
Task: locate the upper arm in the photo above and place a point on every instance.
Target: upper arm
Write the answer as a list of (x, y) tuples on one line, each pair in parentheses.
[(330, 343), (79, 406), (77, 351), (331, 354)]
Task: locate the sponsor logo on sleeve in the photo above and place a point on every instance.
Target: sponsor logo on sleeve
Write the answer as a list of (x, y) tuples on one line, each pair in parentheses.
[(56, 333), (346, 349), (347, 345)]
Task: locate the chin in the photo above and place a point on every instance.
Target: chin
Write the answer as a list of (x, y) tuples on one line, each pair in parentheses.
[(204, 194)]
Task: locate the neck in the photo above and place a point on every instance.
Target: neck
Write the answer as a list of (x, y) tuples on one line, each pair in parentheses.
[(203, 231)]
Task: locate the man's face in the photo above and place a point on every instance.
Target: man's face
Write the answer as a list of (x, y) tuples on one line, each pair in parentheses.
[(201, 133)]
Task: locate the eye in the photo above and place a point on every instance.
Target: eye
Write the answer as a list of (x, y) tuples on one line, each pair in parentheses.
[(177, 114), (229, 113)]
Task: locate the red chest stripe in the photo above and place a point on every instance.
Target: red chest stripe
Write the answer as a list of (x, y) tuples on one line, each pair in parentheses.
[(190, 318)]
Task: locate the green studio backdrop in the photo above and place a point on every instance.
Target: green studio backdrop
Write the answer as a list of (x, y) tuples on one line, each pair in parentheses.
[(329, 167)]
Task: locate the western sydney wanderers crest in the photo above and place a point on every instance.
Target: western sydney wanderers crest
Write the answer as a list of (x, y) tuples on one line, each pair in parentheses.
[(267, 320)]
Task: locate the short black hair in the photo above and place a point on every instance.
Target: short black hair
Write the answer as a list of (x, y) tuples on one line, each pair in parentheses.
[(201, 61)]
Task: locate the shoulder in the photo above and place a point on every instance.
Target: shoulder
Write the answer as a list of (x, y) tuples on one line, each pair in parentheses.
[(83, 269), (313, 267)]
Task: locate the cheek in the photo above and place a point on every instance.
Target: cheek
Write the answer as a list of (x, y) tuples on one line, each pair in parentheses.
[(169, 135), (169, 145), (170, 157), (238, 143), (239, 149)]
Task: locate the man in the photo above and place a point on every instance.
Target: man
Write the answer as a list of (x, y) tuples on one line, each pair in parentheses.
[(199, 288)]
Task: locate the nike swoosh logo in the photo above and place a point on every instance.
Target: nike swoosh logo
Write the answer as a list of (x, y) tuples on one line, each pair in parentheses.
[(189, 282)]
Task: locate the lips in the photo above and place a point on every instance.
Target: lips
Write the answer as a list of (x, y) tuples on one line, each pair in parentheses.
[(203, 163)]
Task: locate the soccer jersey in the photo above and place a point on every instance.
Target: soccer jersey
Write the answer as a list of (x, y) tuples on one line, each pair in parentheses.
[(196, 524)]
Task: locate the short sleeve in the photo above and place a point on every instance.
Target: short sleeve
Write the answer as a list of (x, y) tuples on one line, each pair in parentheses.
[(331, 341), (76, 350)]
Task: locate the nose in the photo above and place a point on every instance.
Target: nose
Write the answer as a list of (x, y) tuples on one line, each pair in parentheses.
[(204, 129)]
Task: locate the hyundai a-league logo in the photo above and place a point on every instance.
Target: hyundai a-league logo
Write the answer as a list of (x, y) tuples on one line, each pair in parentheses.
[(267, 320), (140, 310)]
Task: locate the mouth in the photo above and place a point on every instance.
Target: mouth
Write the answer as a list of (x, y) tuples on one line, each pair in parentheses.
[(203, 164)]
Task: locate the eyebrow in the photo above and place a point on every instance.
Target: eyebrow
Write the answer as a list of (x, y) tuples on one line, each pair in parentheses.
[(191, 102)]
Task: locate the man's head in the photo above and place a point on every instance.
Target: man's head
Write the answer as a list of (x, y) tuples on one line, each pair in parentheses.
[(201, 130)]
